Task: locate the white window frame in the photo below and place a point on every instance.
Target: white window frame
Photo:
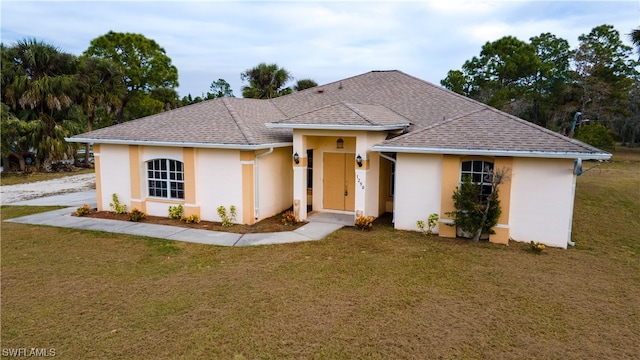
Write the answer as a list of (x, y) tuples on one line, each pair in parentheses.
[(479, 175), (165, 179)]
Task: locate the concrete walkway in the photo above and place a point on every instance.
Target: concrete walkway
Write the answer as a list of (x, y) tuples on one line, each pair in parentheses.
[(319, 226)]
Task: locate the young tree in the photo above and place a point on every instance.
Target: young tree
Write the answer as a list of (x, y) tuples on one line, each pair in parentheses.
[(265, 82), (143, 62), (474, 213)]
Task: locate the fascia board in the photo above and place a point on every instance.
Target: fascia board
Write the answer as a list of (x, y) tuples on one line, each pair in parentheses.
[(514, 153)]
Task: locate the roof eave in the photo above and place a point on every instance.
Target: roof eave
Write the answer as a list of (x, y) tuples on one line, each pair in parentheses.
[(179, 144), (337, 127), (486, 152)]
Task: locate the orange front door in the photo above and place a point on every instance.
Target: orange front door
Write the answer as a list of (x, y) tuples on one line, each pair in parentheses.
[(339, 181)]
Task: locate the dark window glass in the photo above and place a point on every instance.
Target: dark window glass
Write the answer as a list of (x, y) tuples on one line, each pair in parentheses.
[(165, 178)]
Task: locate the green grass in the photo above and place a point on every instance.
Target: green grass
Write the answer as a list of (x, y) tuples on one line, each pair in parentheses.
[(378, 295), (7, 178)]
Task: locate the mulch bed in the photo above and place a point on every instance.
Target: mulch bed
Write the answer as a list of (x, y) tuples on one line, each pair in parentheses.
[(272, 224)]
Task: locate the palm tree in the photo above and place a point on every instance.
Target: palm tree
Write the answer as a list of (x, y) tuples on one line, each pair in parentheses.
[(102, 85), (303, 84), (265, 82), (41, 89), (635, 38)]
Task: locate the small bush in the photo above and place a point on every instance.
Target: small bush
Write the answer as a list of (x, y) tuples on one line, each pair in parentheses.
[(227, 218), (84, 210), (536, 247), (364, 223), (137, 215), (175, 212), (431, 223), (289, 218), (116, 207), (191, 219)]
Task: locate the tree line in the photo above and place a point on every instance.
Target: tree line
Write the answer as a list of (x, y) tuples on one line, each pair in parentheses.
[(546, 82), (48, 94)]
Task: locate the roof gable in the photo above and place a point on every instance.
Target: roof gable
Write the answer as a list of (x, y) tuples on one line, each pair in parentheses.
[(421, 102)]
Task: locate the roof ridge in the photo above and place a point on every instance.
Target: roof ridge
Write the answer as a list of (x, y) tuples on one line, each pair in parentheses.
[(274, 103), (350, 107), (235, 117)]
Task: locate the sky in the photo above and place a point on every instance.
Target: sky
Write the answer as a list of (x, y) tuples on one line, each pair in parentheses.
[(324, 41)]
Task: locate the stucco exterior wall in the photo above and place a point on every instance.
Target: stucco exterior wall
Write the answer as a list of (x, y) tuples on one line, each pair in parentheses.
[(542, 192), (418, 189), (218, 182), (275, 182), (114, 175)]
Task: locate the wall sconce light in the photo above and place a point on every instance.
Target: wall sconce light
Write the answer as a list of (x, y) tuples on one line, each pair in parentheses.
[(296, 158), (340, 143), (359, 160)]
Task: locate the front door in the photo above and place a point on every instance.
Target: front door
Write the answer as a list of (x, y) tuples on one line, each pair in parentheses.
[(339, 181)]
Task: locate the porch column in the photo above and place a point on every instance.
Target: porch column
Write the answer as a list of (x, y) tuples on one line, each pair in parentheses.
[(299, 176), (361, 165)]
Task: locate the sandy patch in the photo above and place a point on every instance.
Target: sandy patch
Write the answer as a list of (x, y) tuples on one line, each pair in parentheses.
[(14, 193)]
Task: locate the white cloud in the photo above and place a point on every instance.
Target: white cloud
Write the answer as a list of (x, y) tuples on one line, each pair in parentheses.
[(325, 41)]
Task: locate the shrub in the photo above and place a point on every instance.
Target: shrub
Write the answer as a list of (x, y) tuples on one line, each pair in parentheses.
[(536, 247), (596, 135), (175, 212), (471, 210), (289, 218), (227, 218), (116, 207), (137, 215), (191, 219), (432, 221), (364, 223), (84, 210)]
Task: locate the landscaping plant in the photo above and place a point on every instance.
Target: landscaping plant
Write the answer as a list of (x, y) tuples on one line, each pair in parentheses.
[(137, 215), (289, 218), (227, 218), (175, 212), (116, 207), (364, 223), (84, 210), (431, 223)]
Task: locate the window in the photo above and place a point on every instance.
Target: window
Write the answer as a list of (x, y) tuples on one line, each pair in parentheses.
[(165, 178), (310, 169), (480, 173)]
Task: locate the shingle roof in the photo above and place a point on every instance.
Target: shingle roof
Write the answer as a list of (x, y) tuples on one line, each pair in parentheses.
[(417, 100), (440, 119), (487, 130), (348, 114), (227, 121)]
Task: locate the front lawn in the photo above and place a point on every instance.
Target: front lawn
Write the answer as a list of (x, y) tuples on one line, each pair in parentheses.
[(383, 294)]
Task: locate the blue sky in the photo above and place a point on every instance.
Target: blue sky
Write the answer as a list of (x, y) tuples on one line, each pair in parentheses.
[(325, 41)]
